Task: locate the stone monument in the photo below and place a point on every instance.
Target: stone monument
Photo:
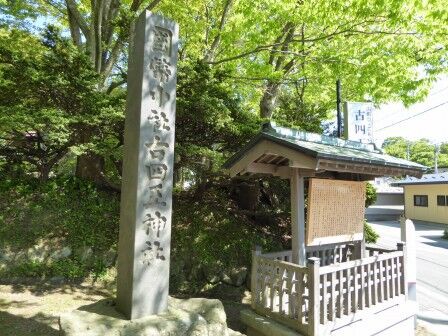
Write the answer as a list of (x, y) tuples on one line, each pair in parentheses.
[(146, 204), (146, 195)]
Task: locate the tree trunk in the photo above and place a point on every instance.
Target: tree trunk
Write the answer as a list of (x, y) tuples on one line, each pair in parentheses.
[(44, 173), (267, 102), (246, 193), (90, 166)]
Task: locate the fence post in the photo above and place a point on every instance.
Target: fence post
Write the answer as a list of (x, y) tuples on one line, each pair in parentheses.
[(253, 276), (314, 297), (401, 246)]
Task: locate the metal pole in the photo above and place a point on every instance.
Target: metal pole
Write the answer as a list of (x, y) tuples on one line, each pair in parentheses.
[(408, 149), (436, 157), (338, 107)]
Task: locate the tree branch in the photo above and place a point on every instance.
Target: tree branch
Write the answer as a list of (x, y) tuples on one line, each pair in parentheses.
[(97, 30), (278, 41), (115, 52), (56, 6), (153, 4), (115, 84), (74, 28), (246, 53), (110, 13), (73, 8), (355, 30), (210, 55), (136, 4), (288, 38)]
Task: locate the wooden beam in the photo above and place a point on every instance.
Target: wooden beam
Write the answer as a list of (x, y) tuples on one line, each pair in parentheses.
[(264, 168), (266, 147), (361, 168), (250, 157), (298, 218)]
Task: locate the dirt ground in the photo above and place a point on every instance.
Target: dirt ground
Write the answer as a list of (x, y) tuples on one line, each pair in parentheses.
[(33, 309)]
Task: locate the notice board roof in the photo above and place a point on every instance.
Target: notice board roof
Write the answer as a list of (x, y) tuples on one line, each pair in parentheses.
[(274, 148)]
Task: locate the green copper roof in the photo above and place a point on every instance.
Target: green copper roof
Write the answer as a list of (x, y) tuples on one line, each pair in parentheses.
[(325, 147)]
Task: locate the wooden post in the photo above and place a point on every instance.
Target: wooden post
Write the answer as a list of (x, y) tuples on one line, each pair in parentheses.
[(253, 278), (402, 269), (333, 297), (314, 296), (298, 218), (358, 250), (408, 236), (364, 253)]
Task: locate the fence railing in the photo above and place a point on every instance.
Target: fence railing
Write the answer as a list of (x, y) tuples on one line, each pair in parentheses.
[(328, 254), (355, 285), (374, 250), (305, 298), (280, 255), (334, 253), (280, 290)]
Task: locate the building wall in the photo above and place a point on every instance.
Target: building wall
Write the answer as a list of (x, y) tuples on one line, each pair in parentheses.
[(432, 213), (384, 198), (388, 206)]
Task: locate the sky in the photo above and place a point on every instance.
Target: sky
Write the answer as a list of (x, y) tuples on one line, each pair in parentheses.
[(428, 119)]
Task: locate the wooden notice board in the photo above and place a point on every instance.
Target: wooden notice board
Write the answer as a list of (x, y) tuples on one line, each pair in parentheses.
[(335, 211)]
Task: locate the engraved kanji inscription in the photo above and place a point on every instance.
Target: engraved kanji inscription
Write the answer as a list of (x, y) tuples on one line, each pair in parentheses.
[(159, 121), (159, 96), (156, 197), (160, 67), (147, 255), (157, 148), (152, 252), (162, 41), (156, 223), (157, 171)]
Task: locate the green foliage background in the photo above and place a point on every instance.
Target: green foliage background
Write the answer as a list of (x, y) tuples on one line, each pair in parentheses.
[(63, 211), (62, 100), (421, 151)]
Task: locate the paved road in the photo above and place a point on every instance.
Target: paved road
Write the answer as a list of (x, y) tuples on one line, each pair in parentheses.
[(432, 271)]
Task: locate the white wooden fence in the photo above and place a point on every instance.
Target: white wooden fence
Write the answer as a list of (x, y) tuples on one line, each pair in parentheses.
[(308, 298), (328, 254)]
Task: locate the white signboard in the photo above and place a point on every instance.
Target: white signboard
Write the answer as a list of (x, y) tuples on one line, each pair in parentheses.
[(358, 122)]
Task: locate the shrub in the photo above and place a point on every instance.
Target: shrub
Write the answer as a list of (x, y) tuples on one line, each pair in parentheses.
[(445, 234), (370, 234), (370, 195), (62, 211)]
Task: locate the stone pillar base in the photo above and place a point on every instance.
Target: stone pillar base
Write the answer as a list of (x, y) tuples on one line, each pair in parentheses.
[(192, 317)]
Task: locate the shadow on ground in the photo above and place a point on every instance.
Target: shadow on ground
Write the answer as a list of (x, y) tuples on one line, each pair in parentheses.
[(33, 308), (12, 325), (45, 287), (433, 320), (105, 307)]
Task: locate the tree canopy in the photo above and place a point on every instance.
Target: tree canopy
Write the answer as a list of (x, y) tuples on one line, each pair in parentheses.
[(264, 59), (421, 151)]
